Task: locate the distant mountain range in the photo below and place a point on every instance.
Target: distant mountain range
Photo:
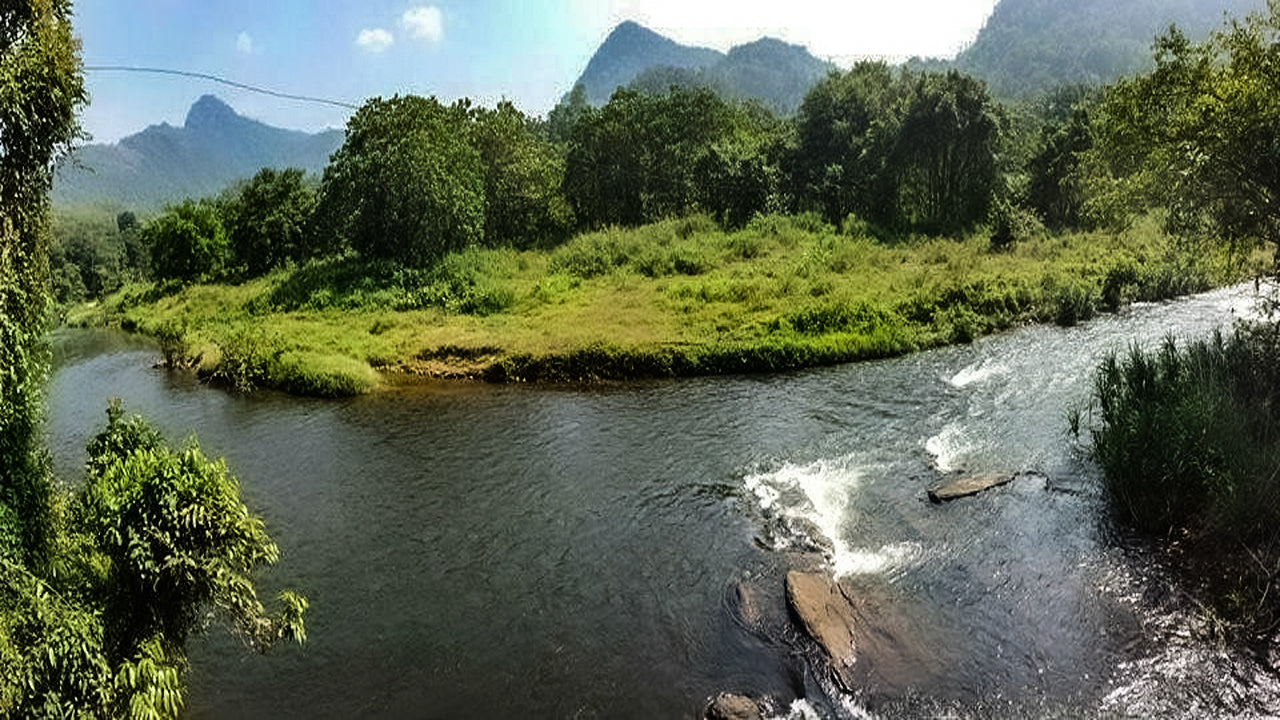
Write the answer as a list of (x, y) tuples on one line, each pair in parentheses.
[(214, 148), (768, 70), (1025, 47)]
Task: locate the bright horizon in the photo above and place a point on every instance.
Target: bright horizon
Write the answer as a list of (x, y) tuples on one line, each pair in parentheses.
[(529, 52)]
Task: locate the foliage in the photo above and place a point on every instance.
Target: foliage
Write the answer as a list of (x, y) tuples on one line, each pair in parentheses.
[(1188, 439), (943, 167), (407, 185), (844, 130), (643, 158), (523, 174), (41, 89), (177, 540), (187, 242), (1056, 187), (919, 151), (1195, 135), (267, 221)]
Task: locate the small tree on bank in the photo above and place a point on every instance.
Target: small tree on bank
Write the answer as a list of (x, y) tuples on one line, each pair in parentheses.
[(187, 242)]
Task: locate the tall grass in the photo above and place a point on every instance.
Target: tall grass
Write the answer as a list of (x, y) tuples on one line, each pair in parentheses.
[(1188, 439)]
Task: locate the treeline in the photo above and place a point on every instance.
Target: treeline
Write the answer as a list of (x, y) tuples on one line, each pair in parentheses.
[(895, 151)]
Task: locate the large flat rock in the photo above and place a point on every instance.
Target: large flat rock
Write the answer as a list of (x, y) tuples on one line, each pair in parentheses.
[(964, 487), (826, 614)]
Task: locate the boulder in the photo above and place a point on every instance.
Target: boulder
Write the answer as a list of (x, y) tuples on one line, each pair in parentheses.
[(825, 613), (732, 707), (964, 487)]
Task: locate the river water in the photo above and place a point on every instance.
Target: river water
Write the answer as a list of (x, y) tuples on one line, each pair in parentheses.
[(475, 551)]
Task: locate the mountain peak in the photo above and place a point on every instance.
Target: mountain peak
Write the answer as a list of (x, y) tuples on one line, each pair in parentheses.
[(209, 111)]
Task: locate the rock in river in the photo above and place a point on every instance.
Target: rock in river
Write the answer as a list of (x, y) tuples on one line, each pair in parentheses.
[(825, 612), (732, 707), (964, 487)]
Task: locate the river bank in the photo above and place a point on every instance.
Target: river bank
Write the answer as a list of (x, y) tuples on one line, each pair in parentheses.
[(678, 298)]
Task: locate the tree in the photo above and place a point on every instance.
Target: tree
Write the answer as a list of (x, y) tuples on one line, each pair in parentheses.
[(844, 130), (41, 90), (1197, 134), (178, 541), (187, 242), (945, 160), (406, 185), (523, 173), (1056, 189), (636, 160), (268, 221)]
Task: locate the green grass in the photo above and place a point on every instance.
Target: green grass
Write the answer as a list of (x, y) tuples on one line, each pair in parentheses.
[(675, 298)]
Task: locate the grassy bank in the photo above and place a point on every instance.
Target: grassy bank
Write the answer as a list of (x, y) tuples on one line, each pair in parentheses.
[(675, 298), (1189, 442)]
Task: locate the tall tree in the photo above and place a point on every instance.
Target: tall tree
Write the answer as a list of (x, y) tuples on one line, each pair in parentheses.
[(523, 175), (636, 160), (267, 221), (844, 130), (187, 242), (41, 90), (945, 161)]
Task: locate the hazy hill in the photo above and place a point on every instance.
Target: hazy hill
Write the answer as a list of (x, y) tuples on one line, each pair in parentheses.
[(769, 70), (1031, 45), (214, 148), (630, 50)]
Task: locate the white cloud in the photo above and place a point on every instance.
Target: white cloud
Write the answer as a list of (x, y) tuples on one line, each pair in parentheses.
[(375, 39), (424, 23), (244, 43)]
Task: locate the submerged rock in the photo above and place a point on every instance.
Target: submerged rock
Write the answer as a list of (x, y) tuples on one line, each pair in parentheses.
[(964, 487), (727, 706), (825, 613)]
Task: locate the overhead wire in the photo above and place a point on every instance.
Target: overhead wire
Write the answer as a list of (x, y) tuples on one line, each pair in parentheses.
[(218, 79)]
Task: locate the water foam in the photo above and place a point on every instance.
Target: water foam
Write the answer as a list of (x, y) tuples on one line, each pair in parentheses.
[(948, 447), (815, 499), (978, 372)]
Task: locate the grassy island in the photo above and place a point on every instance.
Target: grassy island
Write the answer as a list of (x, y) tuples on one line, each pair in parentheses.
[(674, 298)]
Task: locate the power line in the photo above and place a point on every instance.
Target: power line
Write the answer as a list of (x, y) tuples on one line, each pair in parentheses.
[(215, 78)]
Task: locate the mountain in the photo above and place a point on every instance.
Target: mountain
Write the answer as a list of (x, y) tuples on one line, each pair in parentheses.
[(632, 49), (768, 70), (1028, 46), (214, 148)]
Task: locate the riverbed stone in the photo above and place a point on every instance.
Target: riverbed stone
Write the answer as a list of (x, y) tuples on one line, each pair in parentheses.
[(826, 614), (967, 486), (727, 706)]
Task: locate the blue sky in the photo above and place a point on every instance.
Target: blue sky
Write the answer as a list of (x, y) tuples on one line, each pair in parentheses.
[(527, 51)]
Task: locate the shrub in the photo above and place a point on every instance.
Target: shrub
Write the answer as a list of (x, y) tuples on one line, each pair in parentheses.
[(1188, 440)]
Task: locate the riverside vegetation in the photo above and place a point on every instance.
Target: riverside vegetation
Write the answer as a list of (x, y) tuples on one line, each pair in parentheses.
[(677, 297), (101, 585)]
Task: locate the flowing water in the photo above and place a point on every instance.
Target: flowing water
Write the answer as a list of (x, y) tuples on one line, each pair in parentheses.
[(504, 551)]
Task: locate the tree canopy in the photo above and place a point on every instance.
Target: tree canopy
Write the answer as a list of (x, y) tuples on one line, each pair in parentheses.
[(1197, 134), (406, 185)]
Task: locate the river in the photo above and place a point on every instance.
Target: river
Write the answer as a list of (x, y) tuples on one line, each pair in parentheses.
[(477, 551)]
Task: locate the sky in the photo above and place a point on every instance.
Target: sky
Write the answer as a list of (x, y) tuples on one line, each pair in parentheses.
[(526, 51)]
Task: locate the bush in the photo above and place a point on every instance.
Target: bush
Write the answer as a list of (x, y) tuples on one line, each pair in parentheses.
[(1188, 440)]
